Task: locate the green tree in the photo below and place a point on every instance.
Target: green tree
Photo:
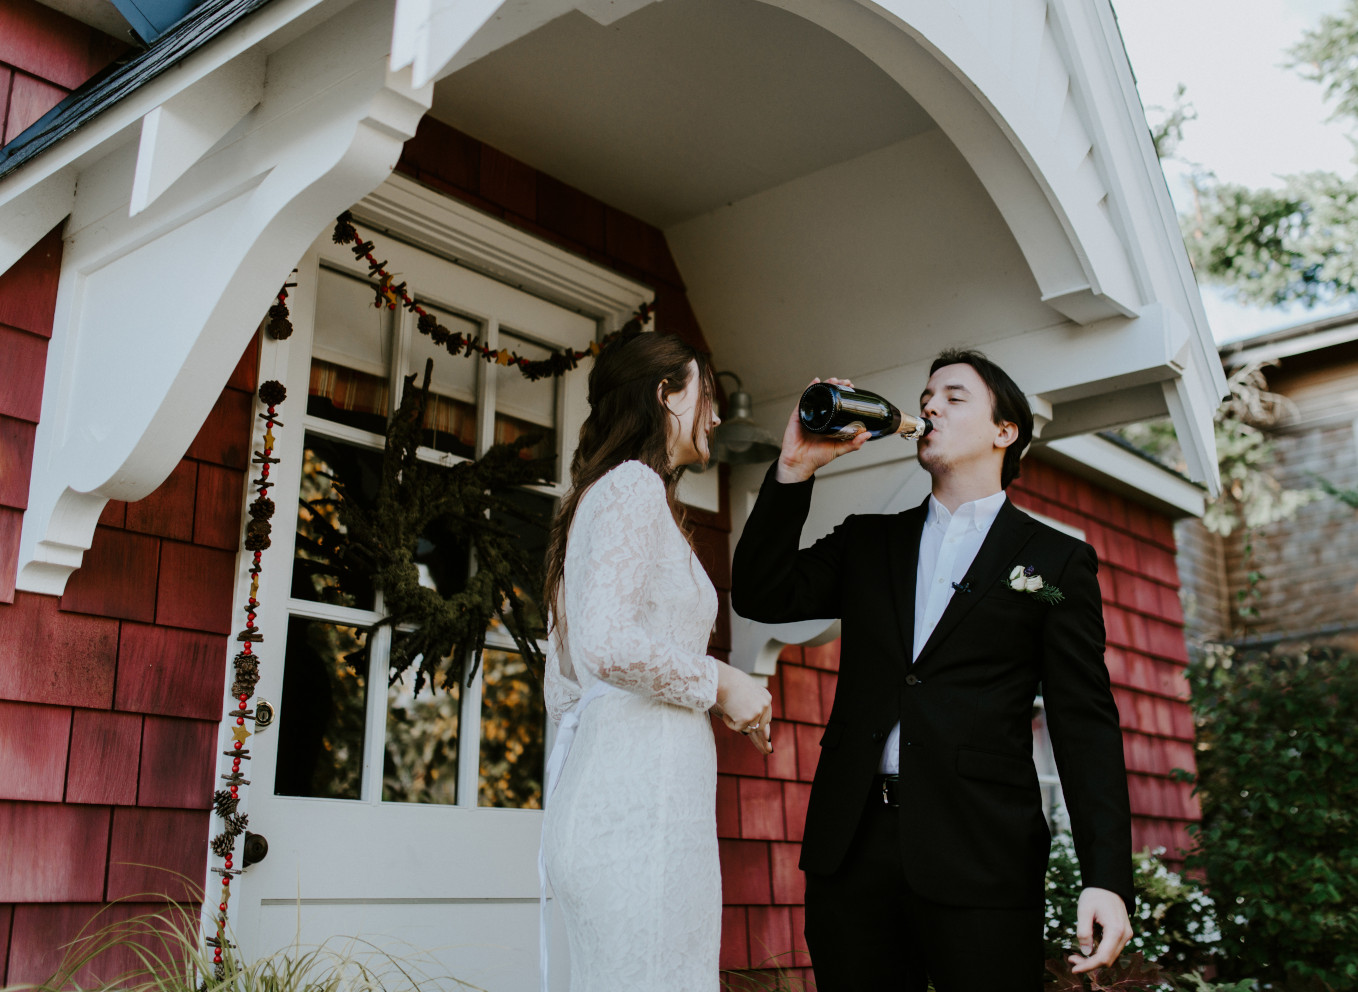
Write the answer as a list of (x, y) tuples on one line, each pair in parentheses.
[(1293, 243), (1278, 778)]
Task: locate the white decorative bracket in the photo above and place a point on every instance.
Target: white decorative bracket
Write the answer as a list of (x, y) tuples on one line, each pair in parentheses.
[(155, 305), (1042, 413), (179, 132), (755, 647)]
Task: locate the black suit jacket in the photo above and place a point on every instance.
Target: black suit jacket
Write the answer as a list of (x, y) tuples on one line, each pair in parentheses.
[(972, 828)]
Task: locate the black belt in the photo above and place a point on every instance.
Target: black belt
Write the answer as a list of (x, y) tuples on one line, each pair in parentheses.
[(886, 790)]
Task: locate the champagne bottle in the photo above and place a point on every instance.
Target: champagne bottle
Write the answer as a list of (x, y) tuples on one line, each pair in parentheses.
[(841, 412)]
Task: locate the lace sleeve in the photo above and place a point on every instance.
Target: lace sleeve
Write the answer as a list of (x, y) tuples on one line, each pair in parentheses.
[(618, 567), (560, 687)]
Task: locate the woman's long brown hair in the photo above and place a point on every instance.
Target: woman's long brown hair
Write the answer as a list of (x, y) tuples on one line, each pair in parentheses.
[(628, 420)]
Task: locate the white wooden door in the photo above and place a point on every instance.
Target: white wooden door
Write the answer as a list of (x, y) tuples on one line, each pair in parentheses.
[(411, 821)]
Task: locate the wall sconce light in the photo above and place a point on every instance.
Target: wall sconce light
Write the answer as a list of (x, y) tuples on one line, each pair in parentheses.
[(738, 440)]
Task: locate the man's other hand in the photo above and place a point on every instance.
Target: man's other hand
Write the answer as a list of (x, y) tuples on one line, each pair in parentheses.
[(1107, 909)]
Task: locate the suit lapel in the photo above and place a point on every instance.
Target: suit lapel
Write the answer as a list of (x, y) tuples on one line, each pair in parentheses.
[(1008, 534), (902, 551)]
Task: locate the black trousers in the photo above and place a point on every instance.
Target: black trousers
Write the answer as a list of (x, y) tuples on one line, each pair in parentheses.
[(868, 932)]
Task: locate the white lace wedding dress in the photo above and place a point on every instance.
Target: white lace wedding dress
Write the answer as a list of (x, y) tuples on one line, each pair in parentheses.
[(630, 833)]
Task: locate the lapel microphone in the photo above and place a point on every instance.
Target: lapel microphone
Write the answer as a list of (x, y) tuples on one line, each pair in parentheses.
[(961, 587)]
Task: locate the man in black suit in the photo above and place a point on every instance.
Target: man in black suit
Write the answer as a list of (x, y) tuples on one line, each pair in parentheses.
[(925, 845)]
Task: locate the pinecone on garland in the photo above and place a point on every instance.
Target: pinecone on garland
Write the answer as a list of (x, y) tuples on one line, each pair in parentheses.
[(223, 844), (279, 327), (247, 675), (272, 393)]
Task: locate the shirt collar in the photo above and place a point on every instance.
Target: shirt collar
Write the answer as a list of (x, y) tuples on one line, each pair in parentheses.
[(979, 514)]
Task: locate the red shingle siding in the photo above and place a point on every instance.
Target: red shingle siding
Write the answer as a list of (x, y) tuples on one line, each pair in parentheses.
[(33, 742), (97, 779), (1146, 649), (763, 888)]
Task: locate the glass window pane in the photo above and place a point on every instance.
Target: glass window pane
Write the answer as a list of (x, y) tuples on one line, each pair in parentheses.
[(450, 418), (322, 714), (317, 574), (513, 733), (351, 355), (421, 752), (523, 407), (530, 520)]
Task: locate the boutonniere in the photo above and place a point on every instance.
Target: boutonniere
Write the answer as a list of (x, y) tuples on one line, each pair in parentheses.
[(1024, 578)]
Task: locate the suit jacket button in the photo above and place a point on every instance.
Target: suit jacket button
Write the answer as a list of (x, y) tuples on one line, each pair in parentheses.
[(911, 679)]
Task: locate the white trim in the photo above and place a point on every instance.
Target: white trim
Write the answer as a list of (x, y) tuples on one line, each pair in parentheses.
[(1115, 468), (459, 233)]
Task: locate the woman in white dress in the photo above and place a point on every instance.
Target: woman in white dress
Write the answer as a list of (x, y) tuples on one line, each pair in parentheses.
[(629, 836)]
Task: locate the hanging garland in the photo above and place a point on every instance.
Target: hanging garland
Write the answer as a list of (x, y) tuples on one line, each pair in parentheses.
[(389, 294), (378, 544), (226, 802), (279, 325)]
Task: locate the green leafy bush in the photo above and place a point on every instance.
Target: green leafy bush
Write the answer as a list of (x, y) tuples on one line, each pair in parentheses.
[(1278, 780)]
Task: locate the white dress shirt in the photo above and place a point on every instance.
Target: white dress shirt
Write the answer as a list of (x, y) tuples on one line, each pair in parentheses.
[(947, 546)]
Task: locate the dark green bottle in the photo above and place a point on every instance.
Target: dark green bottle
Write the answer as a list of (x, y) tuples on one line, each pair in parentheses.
[(841, 412)]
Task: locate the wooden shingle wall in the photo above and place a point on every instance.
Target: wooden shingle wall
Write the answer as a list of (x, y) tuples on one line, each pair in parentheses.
[(1310, 585), (110, 698)]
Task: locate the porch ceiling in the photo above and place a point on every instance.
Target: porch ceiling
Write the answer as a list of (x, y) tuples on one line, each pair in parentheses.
[(662, 117)]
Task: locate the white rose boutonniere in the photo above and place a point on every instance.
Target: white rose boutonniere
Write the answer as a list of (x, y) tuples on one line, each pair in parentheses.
[(1024, 578)]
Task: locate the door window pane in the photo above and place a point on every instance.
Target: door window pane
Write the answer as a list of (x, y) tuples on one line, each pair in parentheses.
[(350, 355), (523, 407), (530, 520), (450, 417), (513, 732), (421, 752), (321, 717), (317, 574)]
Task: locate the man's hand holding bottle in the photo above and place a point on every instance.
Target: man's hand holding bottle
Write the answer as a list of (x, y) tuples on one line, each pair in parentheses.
[(805, 453)]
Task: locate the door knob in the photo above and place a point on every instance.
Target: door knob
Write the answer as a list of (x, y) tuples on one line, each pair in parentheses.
[(256, 849)]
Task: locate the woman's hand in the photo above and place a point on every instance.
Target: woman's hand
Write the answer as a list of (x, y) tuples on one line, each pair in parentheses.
[(745, 706), (803, 452)]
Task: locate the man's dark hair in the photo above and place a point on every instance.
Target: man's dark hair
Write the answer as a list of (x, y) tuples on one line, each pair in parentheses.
[(1007, 404)]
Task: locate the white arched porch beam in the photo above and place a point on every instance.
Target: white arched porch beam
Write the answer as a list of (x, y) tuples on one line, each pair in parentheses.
[(997, 79), (154, 309)]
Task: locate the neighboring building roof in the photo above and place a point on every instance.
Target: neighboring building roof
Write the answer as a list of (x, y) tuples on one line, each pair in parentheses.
[(123, 78), (1295, 340)]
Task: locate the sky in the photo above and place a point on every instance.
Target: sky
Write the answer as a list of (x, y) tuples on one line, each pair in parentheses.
[(1257, 119)]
